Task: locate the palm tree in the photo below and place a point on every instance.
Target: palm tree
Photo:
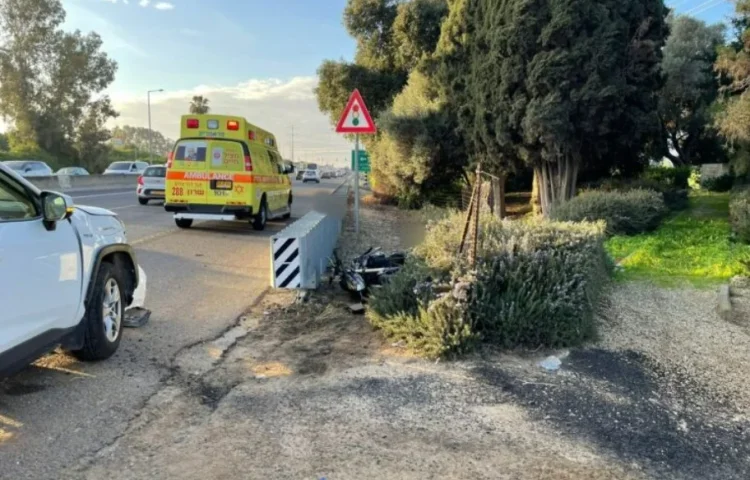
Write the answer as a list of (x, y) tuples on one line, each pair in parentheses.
[(199, 105)]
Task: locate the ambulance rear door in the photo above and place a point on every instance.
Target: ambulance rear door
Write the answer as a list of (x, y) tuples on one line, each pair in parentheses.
[(187, 178)]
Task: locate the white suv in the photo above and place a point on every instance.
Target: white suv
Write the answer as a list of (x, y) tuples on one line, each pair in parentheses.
[(66, 275)]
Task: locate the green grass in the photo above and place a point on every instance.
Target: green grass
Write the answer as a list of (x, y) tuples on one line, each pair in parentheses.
[(693, 246)]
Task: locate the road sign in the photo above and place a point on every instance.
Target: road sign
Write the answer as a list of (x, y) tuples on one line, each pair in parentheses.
[(364, 161), (356, 118)]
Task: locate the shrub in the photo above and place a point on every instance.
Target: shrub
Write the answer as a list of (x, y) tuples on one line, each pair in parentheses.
[(541, 297), (536, 283), (397, 296), (628, 212), (722, 183), (739, 215), (674, 198), (675, 178)]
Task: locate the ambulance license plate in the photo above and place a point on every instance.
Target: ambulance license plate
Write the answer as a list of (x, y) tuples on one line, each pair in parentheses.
[(222, 185)]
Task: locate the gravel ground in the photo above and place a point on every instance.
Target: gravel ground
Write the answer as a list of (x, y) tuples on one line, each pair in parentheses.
[(311, 391)]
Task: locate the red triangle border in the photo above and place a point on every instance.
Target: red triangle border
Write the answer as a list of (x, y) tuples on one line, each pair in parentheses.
[(340, 128)]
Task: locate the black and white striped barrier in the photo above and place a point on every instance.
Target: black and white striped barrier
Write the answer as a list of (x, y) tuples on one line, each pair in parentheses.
[(300, 252)]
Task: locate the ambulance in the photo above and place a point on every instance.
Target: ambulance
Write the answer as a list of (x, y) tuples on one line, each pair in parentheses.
[(225, 168)]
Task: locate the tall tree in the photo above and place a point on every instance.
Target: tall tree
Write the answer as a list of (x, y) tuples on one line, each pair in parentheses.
[(394, 37), (199, 105), (733, 64), (559, 84), (49, 79), (91, 135), (689, 90)]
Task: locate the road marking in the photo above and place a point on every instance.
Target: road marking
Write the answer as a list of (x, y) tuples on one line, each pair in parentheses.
[(153, 237), (123, 208), (103, 195)]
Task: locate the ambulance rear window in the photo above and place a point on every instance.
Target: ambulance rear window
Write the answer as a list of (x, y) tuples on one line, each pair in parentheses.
[(191, 152)]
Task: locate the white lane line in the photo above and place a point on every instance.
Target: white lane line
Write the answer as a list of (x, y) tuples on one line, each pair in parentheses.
[(103, 195), (123, 208)]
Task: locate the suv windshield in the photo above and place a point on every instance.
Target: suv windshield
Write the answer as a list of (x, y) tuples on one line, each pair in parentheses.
[(119, 166), (155, 172)]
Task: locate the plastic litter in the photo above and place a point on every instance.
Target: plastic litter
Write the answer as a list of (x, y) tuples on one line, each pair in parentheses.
[(551, 363), (139, 296)]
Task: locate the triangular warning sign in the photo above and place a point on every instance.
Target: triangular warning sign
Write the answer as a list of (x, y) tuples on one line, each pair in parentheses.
[(356, 118)]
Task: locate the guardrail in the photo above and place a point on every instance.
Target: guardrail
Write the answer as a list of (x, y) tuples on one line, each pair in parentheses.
[(300, 252), (64, 183)]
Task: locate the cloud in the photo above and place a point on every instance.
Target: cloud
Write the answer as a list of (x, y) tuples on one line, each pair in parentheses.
[(144, 3), (272, 104), (164, 6)]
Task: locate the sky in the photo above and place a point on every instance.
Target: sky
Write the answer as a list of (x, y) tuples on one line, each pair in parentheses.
[(254, 58)]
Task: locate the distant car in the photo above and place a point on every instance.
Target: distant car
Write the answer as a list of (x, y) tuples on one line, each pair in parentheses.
[(73, 171), (326, 175), (29, 168), (152, 184), (300, 173), (126, 168), (311, 176)]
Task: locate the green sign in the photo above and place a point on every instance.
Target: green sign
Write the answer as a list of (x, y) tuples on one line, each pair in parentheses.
[(364, 161)]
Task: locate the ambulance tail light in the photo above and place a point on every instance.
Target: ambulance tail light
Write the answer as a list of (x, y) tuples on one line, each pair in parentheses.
[(248, 163), (233, 125), (193, 123)]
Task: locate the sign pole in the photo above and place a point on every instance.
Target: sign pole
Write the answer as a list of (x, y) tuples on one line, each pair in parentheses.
[(356, 183), (356, 119)]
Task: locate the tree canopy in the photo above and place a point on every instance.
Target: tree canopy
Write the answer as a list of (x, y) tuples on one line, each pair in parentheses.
[(51, 81), (199, 105), (138, 138), (733, 64), (557, 85), (689, 91)]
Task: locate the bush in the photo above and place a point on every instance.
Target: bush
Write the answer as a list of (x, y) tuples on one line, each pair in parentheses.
[(628, 212), (537, 283), (674, 178), (674, 198), (722, 183), (739, 215)]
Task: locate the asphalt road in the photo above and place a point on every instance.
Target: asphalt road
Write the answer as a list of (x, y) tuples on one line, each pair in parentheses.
[(198, 282)]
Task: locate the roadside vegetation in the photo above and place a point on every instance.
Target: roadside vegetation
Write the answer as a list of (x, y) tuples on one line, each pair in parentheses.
[(695, 246)]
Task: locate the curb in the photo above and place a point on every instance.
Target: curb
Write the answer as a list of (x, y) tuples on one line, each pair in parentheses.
[(339, 187), (724, 306)]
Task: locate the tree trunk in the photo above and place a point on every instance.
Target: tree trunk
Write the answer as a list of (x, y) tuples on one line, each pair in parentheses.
[(498, 196), (536, 202), (557, 182)]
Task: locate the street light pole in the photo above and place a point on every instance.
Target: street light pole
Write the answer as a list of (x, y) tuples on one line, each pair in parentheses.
[(150, 132)]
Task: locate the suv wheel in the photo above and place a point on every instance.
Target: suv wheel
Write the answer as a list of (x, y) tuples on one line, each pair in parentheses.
[(259, 223), (142, 201), (184, 222), (104, 315)]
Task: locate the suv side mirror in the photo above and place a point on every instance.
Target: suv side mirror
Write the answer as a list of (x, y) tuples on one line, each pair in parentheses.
[(55, 208), (288, 168)]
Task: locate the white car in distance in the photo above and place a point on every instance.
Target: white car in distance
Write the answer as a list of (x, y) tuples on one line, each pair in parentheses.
[(152, 184), (126, 168)]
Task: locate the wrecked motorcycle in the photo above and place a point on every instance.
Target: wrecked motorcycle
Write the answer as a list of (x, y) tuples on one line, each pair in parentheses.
[(370, 270)]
